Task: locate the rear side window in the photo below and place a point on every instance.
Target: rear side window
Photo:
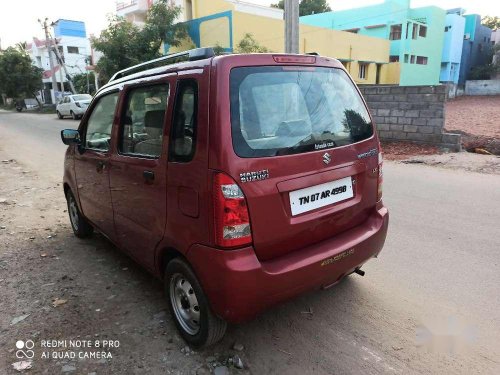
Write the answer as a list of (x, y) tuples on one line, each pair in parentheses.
[(183, 134), (142, 130), (289, 110), (100, 123)]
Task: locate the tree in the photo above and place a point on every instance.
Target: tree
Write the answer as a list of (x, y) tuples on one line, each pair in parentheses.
[(124, 44), (83, 83), (484, 71), (307, 7), (249, 45), (19, 78), (218, 49), (493, 22)]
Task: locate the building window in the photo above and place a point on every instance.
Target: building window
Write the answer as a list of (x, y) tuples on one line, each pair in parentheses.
[(414, 31), (407, 29), (354, 31), (422, 31), (412, 59), (72, 49), (421, 60), (189, 10), (406, 58), (394, 58), (395, 32), (480, 47), (363, 68), (447, 28)]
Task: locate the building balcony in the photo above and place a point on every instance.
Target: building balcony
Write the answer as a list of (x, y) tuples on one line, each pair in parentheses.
[(131, 8)]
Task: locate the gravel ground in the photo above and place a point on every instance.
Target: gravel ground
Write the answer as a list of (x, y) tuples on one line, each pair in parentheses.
[(477, 118), (477, 115)]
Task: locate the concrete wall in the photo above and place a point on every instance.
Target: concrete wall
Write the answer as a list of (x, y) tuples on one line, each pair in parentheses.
[(411, 113), (487, 87)]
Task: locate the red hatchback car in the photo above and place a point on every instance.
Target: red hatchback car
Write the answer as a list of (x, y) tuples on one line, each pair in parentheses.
[(239, 180)]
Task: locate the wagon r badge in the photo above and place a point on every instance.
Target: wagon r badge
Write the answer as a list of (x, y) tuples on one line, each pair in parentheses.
[(327, 158)]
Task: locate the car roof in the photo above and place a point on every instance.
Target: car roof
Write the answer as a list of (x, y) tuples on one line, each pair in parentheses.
[(193, 59)]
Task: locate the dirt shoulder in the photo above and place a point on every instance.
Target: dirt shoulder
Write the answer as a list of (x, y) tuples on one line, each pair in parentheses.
[(459, 161), (477, 119)]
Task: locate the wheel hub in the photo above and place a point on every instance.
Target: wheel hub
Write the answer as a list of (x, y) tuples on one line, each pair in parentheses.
[(73, 213), (185, 304)]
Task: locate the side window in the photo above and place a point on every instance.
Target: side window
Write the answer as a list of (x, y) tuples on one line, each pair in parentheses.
[(142, 125), (183, 133), (100, 122)]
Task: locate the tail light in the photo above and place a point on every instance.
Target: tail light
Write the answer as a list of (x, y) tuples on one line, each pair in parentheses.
[(78, 104), (380, 177), (232, 221)]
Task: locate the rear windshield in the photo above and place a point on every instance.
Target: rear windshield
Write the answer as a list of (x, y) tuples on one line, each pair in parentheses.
[(278, 110)]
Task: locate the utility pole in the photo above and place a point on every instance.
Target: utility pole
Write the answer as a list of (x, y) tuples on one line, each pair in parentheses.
[(291, 26), (48, 44)]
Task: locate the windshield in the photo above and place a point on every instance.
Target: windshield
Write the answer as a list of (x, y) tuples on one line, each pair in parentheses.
[(82, 97), (279, 110)]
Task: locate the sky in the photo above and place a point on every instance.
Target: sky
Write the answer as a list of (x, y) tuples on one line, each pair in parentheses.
[(18, 19)]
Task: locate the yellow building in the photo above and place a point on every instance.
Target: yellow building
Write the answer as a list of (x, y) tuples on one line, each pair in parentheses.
[(226, 22)]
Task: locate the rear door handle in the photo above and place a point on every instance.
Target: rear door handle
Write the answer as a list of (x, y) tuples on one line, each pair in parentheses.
[(149, 176)]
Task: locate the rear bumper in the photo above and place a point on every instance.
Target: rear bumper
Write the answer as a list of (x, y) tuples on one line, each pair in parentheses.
[(239, 286)]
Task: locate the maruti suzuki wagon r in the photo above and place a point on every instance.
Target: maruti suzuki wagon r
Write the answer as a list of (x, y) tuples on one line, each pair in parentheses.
[(239, 180)]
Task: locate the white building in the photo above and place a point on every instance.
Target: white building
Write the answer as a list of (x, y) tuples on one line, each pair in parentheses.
[(74, 49), (136, 10)]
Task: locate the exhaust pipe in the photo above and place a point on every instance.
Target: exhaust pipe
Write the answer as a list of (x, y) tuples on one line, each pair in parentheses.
[(360, 272)]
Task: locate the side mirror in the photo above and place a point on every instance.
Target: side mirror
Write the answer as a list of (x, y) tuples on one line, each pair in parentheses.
[(70, 136)]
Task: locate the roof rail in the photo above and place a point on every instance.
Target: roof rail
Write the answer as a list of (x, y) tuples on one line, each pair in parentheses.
[(191, 55)]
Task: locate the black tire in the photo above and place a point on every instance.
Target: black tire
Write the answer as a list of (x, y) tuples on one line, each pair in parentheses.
[(73, 116), (81, 227), (211, 328), (59, 116)]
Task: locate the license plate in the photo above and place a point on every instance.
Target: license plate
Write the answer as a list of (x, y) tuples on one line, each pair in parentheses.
[(322, 195)]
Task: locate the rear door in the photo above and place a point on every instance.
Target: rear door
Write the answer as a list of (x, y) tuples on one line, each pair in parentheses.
[(188, 215), (138, 168), (298, 134)]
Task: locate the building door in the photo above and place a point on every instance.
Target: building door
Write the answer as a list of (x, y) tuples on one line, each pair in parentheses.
[(377, 77)]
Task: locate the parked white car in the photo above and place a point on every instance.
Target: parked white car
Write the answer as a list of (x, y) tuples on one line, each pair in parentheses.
[(73, 105)]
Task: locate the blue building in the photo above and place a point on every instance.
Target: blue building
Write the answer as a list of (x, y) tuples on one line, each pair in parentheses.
[(476, 46), (64, 27), (452, 48), (416, 35)]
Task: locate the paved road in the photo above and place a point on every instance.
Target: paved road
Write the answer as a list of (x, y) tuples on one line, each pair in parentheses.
[(35, 140), (429, 304)]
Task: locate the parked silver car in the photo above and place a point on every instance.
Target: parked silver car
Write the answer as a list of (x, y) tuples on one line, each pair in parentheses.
[(73, 105)]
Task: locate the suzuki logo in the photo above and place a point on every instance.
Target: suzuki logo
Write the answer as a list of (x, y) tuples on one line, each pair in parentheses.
[(327, 158)]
